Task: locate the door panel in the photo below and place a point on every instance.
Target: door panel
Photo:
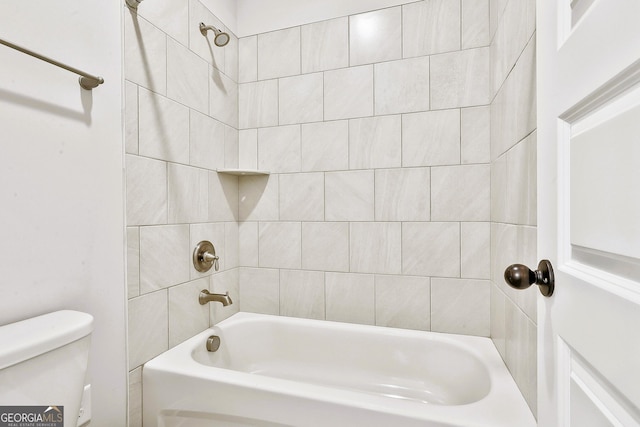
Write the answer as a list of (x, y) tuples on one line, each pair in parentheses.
[(589, 212)]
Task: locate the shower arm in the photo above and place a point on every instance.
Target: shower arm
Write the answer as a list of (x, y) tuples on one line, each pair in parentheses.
[(205, 28)]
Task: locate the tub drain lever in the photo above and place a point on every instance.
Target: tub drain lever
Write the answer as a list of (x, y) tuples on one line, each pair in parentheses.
[(213, 343)]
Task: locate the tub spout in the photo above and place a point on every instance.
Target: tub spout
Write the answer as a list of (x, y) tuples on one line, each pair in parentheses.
[(206, 296)]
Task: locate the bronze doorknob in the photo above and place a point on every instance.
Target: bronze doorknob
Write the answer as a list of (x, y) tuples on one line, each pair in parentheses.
[(521, 277)]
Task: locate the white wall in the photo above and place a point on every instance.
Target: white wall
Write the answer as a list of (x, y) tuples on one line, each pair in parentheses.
[(260, 16), (61, 204), (226, 11)]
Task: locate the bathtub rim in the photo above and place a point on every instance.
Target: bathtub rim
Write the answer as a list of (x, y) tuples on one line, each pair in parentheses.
[(504, 398)]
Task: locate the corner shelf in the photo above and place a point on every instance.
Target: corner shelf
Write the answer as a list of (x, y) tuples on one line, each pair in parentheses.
[(243, 172)]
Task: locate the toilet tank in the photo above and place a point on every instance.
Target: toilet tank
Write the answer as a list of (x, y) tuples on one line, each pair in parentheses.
[(43, 362)]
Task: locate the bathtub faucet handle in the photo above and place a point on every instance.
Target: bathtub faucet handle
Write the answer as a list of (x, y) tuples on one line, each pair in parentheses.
[(204, 257)]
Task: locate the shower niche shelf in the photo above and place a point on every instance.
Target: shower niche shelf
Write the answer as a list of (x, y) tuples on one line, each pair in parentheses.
[(243, 172)]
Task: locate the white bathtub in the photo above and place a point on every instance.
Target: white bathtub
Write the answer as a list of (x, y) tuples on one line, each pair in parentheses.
[(281, 371)]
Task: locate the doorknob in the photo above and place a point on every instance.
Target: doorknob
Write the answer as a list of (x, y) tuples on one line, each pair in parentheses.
[(521, 277)]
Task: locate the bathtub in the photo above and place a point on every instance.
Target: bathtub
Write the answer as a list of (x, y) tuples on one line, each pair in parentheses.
[(281, 371)]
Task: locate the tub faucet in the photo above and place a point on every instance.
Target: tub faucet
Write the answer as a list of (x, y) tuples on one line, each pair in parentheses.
[(206, 296)]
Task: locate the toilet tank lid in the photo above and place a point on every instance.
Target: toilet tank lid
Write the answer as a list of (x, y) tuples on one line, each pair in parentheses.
[(29, 338)]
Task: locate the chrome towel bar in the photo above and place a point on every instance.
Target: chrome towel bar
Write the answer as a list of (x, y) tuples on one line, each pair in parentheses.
[(87, 81)]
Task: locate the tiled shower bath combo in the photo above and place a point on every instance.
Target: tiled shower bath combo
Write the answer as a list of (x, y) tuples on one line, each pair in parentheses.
[(388, 136)]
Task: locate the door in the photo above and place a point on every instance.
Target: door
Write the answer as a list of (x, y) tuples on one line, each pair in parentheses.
[(589, 212)]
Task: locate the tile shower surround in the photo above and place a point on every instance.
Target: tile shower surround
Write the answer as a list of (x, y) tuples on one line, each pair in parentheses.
[(375, 128), (386, 147)]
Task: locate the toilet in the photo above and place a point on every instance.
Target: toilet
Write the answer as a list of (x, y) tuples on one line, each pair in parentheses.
[(43, 362)]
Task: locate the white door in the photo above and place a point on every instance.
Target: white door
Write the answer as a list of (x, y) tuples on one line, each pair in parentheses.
[(589, 212)]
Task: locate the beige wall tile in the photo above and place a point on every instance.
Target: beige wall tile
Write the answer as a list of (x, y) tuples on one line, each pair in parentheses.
[(375, 36), (403, 302), (350, 298), (302, 294), (325, 45), (431, 26), (279, 53), (460, 306)]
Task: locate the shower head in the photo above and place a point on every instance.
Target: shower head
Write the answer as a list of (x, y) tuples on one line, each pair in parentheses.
[(221, 38)]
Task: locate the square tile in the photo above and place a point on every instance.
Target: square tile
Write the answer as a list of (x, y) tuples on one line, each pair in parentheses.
[(431, 26), (135, 398), (231, 245), (186, 316), (279, 53), (431, 138), (475, 23), (206, 141), (431, 249), (148, 330), (403, 302), (248, 149), (258, 104), (165, 256), (514, 108), (402, 86), (350, 298), (302, 197), (248, 59), (325, 146), (145, 54), (475, 250), (521, 352), (325, 45), (475, 135), (513, 33), (460, 193), (223, 98), (301, 99), (302, 294), (146, 181), (375, 247), (460, 79), (187, 77), (403, 194), (279, 149), (349, 196), (170, 17), (231, 57), (375, 142), (325, 246), (348, 93), (375, 36), (498, 325), (188, 194), (164, 128), (279, 244), (260, 290), (521, 182), (460, 306), (248, 244), (131, 117), (231, 149), (133, 262)]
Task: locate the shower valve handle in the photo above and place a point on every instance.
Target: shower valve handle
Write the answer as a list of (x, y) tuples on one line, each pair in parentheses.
[(204, 257)]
